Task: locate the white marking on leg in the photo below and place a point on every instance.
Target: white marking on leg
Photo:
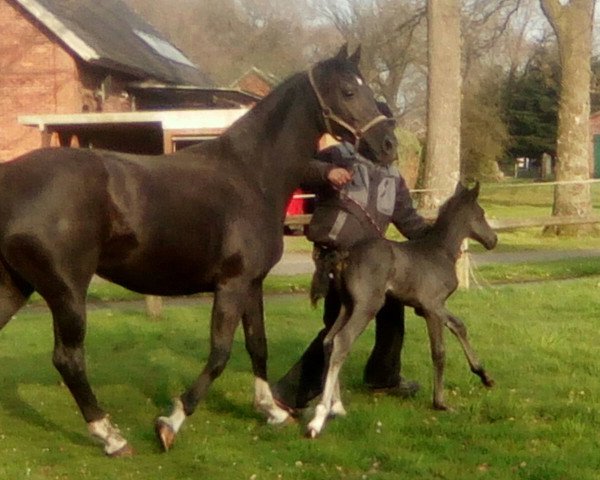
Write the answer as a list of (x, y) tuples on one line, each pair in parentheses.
[(177, 417), (316, 424), (108, 434), (263, 402), (337, 407), (323, 409)]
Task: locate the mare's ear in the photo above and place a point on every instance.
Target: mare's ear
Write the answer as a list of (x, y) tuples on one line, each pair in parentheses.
[(343, 52), (355, 57)]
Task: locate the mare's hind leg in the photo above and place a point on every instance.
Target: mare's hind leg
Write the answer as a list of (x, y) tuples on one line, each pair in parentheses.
[(64, 290), (228, 306), (69, 359), (13, 295), (458, 328), (256, 345)]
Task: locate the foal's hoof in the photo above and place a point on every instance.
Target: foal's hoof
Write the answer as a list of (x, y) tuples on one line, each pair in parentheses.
[(311, 433), (165, 434), (488, 382), (125, 451), (442, 407)]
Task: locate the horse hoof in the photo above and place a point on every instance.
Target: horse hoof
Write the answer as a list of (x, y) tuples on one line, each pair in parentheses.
[(440, 407), (125, 451), (337, 410), (290, 420), (165, 434), (311, 433), (488, 382)]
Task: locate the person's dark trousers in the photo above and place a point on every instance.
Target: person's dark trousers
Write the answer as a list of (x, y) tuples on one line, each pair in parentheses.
[(383, 367), (304, 381)]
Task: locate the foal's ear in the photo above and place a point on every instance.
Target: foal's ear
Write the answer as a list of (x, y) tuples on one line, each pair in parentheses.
[(355, 57), (343, 52), (460, 188), (475, 190)]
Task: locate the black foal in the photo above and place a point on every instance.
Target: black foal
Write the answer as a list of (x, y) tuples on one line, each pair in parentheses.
[(421, 274)]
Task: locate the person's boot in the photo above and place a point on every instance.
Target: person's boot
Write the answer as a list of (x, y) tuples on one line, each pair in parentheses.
[(403, 389)]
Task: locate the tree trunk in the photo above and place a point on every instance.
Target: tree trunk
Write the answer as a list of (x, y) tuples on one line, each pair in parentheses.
[(572, 22), (442, 163)]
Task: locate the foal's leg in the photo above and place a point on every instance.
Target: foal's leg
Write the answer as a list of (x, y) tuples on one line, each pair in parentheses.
[(435, 327), (458, 328), (256, 345), (227, 310), (337, 346), (337, 407)]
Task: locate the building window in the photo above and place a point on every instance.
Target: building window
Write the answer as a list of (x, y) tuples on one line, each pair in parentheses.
[(164, 49)]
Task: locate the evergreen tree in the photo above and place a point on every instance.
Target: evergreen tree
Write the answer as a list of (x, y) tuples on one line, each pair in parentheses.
[(532, 108)]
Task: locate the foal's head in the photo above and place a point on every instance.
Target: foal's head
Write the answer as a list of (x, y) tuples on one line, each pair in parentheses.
[(349, 109), (463, 210)]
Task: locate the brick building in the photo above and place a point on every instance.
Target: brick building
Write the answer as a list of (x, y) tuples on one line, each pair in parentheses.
[(256, 82), (69, 57)]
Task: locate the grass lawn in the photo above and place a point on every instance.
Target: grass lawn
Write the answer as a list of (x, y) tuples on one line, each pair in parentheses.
[(541, 421)]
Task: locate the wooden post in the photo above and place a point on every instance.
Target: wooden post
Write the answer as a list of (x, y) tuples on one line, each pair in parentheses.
[(463, 266), (154, 306)]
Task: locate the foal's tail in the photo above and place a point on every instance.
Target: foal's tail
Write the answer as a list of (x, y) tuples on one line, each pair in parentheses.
[(328, 271)]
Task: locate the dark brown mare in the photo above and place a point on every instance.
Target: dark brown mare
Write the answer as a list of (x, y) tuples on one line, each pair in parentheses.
[(420, 273), (205, 219)]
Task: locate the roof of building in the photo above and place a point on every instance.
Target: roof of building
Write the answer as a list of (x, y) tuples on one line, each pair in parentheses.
[(268, 78), (108, 34)]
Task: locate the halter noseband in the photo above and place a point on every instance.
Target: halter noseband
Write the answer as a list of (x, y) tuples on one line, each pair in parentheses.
[(329, 116)]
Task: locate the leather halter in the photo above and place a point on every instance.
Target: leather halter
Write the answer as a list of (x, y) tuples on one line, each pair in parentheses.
[(329, 116)]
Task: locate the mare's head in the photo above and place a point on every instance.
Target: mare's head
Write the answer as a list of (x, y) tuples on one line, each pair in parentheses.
[(348, 107), (463, 210)]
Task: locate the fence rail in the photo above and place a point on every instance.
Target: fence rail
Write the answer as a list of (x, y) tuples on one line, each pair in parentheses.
[(463, 266), (154, 304)]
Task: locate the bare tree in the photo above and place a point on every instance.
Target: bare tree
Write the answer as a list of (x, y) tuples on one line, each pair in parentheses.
[(442, 164), (572, 21), (227, 37), (392, 36)]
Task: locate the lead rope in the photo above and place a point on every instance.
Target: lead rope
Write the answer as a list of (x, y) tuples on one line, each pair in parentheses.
[(344, 196)]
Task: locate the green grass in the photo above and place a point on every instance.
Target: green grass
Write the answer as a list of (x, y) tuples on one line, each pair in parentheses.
[(536, 271), (541, 421), (497, 273)]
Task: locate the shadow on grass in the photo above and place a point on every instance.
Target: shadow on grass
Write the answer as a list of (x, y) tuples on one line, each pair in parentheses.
[(25, 369)]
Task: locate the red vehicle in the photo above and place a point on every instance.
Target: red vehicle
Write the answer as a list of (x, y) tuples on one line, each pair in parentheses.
[(296, 215)]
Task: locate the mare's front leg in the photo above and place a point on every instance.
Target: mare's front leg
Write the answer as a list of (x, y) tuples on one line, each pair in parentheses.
[(256, 346), (458, 328), (228, 305)]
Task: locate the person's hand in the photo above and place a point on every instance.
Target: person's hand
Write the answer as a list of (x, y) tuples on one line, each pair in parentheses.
[(339, 177)]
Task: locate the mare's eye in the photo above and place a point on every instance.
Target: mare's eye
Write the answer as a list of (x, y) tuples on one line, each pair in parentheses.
[(347, 92)]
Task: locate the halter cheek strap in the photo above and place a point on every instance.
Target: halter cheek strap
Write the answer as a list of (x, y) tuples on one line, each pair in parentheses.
[(329, 116)]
